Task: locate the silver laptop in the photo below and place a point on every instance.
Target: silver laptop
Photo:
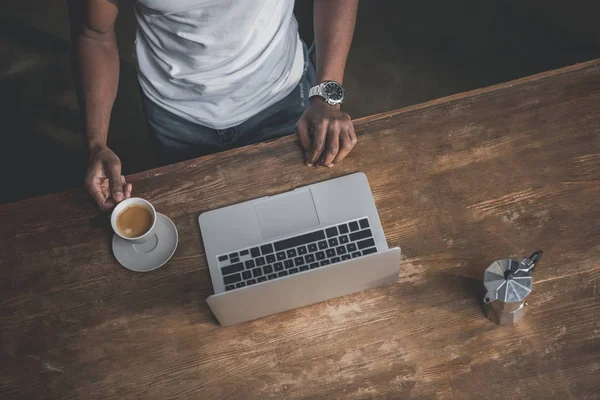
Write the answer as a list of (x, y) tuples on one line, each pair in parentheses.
[(286, 251)]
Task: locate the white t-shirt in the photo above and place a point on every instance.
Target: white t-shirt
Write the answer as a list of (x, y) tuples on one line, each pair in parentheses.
[(217, 62)]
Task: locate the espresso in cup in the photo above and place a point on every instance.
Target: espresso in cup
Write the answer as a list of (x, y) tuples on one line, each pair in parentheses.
[(134, 221)]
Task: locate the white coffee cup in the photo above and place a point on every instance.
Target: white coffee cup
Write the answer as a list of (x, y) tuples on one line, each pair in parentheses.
[(133, 201)]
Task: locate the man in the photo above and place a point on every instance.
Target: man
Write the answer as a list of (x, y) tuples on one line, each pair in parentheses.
[(216, 75)]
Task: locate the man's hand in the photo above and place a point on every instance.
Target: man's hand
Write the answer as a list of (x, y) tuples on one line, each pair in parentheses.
[(103, 179), (326, 134)]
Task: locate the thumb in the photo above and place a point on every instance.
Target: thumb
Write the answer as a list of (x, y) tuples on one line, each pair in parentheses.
[(114, 178), (302, 129)]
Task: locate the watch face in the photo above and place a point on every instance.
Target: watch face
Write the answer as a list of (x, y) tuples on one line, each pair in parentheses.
[(333, 91)]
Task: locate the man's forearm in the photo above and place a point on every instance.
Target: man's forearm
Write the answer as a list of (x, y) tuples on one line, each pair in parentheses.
[(98, 60), (334, 22)]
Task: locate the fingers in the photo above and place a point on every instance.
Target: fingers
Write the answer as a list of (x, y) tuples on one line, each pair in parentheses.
[(347, 142), (302, 129), (345, 147), (93, 185), (333, 146), (104, 181), (326, 135), (109, 205), (127, 187), (352, 133), (95, 191), (114, 178), (319, 139)]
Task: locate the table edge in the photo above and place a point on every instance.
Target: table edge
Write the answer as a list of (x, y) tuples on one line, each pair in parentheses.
[(359, 121)]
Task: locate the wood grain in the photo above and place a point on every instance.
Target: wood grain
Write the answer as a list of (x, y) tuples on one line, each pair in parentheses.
[(458, 182)]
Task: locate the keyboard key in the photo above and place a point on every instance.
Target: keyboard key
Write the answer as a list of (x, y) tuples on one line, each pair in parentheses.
[(369, 251), (309, 258), (282, 273), (229, 279), (366, 243), (322, 245), (299, 261), (229, 287), (346, 257), (353, 226), (281, 256), (271, 258), (299, 240), (240, 284), (278, 266), (230, 269), (320, 255), (249, 264), (364, 223), (272, 276), (260, 261), (333, 242), (360, 235), (314, 265), (223, 258), (340, 250), (343, 239), (335, 260), (234, 260), (257, 272), (331, 232), (343, 229), (312, 247), (356, 254), (250, 282), (233, 255), (330, 253), (325, 262), (268, 269), (351, 247), (261, 279), (246, 274), (304, 268), (266, 249), (291, 253), (302, 250), (254, 252), (293, 271), (244, 253), (288, 264)]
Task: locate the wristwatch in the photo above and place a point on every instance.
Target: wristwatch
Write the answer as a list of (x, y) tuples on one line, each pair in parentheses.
[(331, 91)]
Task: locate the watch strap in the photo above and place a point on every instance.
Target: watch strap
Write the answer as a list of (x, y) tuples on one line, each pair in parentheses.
[(315, 91)]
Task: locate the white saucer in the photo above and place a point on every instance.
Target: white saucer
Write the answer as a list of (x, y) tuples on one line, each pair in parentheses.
[(152, 254)]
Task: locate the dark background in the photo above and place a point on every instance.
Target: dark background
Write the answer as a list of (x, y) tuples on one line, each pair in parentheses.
[(403, 53)]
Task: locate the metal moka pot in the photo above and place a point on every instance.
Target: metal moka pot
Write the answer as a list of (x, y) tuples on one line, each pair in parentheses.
[(508, 282)]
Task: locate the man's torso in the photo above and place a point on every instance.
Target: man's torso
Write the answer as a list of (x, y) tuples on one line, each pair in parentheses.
[(217, 62)]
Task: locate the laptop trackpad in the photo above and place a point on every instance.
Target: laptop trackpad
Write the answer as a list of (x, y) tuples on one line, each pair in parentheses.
[(286, 213)]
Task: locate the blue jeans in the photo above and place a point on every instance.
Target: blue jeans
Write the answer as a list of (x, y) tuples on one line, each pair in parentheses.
[(175, 139)]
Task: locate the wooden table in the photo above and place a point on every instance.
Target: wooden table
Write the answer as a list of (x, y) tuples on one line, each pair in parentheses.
[(459, 182)]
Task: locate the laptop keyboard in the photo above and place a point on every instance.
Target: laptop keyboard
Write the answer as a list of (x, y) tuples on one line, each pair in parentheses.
[(296, 254)]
